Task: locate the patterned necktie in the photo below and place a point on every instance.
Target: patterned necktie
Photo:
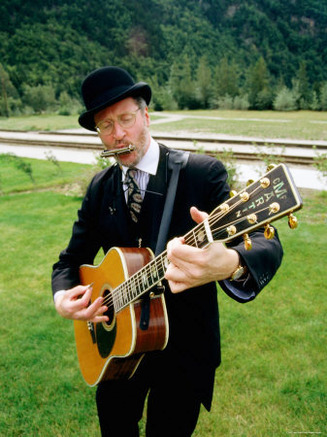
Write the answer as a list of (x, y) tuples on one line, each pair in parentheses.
[(134, 199)]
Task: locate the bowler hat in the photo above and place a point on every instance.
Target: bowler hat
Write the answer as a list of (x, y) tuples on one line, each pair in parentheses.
[(106, 86)]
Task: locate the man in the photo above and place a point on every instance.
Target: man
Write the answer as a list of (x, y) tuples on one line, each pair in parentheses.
[(179, 378)]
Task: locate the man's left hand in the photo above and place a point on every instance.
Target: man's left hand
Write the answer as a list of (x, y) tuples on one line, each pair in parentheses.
[(191, 267)]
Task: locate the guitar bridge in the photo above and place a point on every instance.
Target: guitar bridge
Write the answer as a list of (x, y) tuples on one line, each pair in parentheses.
[(90, 327)]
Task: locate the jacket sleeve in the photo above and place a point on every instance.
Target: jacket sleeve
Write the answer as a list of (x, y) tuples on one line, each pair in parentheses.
[(262, 261)]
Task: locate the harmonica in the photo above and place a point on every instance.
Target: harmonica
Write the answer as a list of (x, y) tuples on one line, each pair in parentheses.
[(115, 152)]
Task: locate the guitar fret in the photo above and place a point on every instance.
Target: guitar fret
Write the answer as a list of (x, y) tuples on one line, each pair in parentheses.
[(140, 282), (246, 211)]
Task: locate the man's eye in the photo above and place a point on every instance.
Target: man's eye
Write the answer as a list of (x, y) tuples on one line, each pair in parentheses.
[(125, 118), (106, 125)]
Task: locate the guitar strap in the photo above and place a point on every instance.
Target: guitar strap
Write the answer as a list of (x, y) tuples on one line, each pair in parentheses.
[(177, 159)]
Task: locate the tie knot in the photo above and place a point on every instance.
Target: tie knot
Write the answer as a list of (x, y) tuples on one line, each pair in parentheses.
[(130, 174)]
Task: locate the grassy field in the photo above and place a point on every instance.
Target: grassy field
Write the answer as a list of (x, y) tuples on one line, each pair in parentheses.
[(272, 381), (306, 125), (265, 124)]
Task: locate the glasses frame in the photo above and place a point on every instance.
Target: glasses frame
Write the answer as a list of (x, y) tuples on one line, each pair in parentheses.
[(118, 120)]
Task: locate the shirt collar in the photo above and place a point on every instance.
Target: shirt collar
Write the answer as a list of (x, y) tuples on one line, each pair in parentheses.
[(149, 162)]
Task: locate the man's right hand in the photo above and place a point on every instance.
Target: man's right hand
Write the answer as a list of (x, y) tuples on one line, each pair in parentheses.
[(75, 304)]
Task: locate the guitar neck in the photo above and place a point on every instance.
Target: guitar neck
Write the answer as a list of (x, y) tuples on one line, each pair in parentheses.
[(154, 272), (268, 199), (141, 282)]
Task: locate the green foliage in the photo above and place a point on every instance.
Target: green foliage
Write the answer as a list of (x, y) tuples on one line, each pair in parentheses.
[(258, 84), (323, 97), (182, 84), (285, 100), (226, 79), (8, 94), (320, 162), (40, 98), (51, 157), (196, 51), (204, 82)]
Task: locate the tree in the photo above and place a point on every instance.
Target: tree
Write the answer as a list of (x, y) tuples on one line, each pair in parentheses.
[(226, 79), (204, 85), (40, 97), (7, 91), (323, 97), (182, 85), (304, 90), (9, 98), (4, 92), (258, 85)]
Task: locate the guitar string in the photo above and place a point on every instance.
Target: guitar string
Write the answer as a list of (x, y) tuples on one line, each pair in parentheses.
[(138, 278), (216, 217)]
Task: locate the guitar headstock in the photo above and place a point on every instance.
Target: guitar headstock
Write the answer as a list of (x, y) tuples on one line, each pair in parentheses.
[(271, 197)]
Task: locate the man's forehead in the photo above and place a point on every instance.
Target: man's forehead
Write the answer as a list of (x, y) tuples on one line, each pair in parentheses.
[(117, 108)]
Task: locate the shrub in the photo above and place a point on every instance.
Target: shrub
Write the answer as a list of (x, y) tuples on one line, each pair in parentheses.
[(225, 102), (241, 102), (323, 97), (285, 100), (41, 97)]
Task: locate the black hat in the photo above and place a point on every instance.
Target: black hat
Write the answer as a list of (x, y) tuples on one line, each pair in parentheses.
[(106, 86)]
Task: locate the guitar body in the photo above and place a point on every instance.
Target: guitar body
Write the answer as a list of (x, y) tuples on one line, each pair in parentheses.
[(114, 349)]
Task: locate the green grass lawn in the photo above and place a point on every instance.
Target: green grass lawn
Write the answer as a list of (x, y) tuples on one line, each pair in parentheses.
[(272, 381), (307, 125)]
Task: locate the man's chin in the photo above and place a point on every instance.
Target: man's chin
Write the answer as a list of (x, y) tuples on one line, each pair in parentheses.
[(127, 159)]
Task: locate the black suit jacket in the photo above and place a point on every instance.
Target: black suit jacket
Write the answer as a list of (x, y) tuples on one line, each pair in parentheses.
[(103, 221)]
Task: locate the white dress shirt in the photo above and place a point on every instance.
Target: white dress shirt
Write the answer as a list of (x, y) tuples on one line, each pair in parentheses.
[(146, 167)]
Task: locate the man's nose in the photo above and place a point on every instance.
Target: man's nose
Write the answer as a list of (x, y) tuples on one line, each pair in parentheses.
[(118, 131)]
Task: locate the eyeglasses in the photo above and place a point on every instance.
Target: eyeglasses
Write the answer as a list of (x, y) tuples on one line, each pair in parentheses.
[(125, 121)]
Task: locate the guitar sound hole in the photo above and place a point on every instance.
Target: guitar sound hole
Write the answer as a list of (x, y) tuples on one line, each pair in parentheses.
[(110, 313)]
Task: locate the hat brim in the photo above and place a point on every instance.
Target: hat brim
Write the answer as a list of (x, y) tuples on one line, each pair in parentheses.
[(140, 89)]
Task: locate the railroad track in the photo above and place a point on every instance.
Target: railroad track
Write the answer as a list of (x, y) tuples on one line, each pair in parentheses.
[(249, 149)]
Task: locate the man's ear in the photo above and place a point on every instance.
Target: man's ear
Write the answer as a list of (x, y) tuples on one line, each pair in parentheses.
[(147, 117)]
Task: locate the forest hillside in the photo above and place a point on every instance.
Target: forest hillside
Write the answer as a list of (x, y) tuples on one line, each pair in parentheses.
[(194, 53)]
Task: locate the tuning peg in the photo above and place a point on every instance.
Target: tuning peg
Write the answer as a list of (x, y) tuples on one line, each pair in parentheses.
[(269, 232), (265, 182), (249, 182), (271, 166), (232, 193), (247, 242), (292, 221)]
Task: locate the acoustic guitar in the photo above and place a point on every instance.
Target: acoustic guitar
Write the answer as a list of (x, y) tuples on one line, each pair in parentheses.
[(129, 279)]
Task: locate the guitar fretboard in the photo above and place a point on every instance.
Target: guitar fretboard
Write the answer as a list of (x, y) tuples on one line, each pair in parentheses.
[(140, 283), (262, 202), (153, 273)]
